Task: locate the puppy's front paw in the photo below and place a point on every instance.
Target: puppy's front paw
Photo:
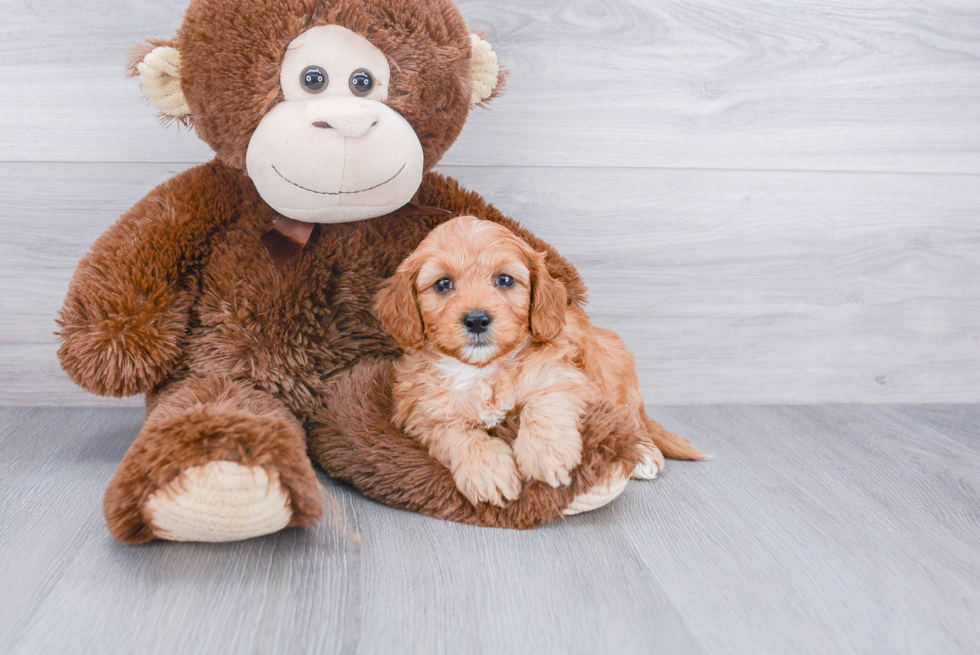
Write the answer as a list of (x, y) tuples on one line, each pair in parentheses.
[(549, 456), (489, 474)]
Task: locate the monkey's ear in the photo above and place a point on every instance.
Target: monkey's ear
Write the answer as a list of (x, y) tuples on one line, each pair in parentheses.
[(488, 76), (158, 67)]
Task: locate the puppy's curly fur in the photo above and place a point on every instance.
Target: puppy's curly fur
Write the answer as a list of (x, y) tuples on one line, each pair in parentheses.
[(488, 333)]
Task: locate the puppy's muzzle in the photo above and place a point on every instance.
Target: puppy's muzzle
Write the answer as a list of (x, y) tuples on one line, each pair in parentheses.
[(477, 322)]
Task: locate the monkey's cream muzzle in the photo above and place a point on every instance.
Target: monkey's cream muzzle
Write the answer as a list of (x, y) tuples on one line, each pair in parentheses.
[(332, 151), (334, 159)]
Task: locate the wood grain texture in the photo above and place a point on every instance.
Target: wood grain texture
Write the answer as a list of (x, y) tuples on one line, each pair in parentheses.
[(892, 85), (728, 286), (812, 530)]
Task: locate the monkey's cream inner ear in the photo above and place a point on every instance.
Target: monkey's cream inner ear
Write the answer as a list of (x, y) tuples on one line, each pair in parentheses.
[(160, 80), (485, 69)]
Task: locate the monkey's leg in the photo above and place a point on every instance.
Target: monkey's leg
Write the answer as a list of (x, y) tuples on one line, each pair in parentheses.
[(215, 461), (354, 439)]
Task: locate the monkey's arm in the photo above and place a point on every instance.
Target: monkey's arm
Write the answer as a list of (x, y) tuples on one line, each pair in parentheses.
[(128, 303), (446, 193)]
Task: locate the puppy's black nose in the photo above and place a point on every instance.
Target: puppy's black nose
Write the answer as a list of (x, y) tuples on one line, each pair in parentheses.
[(477, 322)]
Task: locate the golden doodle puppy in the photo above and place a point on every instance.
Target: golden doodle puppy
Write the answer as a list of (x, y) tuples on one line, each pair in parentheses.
[(486, 332)]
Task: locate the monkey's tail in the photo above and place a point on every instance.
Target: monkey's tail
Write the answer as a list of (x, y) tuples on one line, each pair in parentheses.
[(669, 443)]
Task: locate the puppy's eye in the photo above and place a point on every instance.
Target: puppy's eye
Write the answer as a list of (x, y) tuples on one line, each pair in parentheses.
[(361, 82), (443, 285), (313, 79), (504, 280)]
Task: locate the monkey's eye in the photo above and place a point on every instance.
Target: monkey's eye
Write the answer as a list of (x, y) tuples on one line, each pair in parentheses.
[(504, 280), (361, 82), (313, 79), (443, 285)]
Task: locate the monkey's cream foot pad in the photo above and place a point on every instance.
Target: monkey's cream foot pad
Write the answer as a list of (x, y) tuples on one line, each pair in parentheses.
[(603, 494), (219, 501), (599, 495)]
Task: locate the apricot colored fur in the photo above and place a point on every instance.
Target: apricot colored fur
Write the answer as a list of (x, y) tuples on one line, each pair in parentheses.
[(538, 358)]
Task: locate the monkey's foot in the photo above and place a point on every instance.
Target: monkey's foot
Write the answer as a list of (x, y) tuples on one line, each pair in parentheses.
[(597, 496), (219, 501)]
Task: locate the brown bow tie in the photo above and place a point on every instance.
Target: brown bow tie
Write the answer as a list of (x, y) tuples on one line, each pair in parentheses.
[(288, 237)]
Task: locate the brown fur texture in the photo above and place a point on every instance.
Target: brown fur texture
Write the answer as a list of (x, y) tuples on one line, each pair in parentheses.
[(197, 421), (179, 299), (355, 441)]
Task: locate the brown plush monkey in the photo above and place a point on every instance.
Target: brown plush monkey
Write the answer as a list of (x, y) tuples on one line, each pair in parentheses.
[(250, 332)]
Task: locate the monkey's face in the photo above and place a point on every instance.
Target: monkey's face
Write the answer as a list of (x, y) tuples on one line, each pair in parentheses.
[(334, 108), (332, 150)]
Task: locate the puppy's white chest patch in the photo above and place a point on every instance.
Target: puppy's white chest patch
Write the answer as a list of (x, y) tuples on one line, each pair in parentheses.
[(460, 375), (475, 383)]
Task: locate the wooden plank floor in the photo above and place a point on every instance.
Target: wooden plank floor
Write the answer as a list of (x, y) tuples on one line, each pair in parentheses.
[(821, 529)]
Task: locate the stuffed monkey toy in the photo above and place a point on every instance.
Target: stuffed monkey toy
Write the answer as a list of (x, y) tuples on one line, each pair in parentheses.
[(237, 296)]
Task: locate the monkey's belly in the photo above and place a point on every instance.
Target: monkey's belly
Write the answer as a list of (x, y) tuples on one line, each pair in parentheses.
[(284, 334)]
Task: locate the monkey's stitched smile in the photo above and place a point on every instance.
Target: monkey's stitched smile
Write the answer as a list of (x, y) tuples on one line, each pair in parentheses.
[(337, 193)]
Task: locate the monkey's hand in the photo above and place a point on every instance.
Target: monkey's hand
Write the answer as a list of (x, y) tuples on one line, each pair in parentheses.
[(117, 341), (127, 311)]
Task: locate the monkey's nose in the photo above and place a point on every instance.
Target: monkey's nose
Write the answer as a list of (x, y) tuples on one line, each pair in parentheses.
[(477, 322), (350, 117)]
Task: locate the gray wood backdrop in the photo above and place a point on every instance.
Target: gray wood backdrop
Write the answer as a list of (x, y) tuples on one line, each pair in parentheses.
[(772, 201)]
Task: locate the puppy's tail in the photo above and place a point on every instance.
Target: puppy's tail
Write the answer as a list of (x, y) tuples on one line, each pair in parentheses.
[(669, 443)]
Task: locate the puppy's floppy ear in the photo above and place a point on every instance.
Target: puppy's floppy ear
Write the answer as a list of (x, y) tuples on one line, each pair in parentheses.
[(398, 309), (549, 300)]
